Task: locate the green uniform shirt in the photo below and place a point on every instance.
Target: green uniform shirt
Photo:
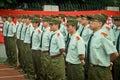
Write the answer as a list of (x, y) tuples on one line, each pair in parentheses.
[(28, 33), (75, 48), (109, 31), (79, 27), (101, 48), (36, 39), (5, 25), (85, 34), (41, 27), (23, 32), (117, 32), (11, 29), (63, 30), (57, 43), (18, 29), (45, 39)]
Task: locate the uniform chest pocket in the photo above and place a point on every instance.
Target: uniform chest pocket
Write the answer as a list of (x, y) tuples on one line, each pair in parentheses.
[(72, 46), (97, 45), (53, 41)]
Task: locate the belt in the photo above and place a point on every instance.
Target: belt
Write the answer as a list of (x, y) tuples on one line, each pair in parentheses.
[(44, 51), (27, 44), (10, 37), (71, 63), (92, 65), (55, 56)]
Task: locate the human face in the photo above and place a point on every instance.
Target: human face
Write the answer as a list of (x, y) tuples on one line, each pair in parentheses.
[(3, 19), (61, 19), (70, 29), (10, 19), (84, 21), (27, 21), (23, 20), (19, 19), (95, 25), (35, 25), (53, 27), (118, 23), (79, 20), (45, 24)]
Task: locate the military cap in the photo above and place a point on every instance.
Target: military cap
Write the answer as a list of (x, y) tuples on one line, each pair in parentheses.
[(36, 20), (11, 16), (61, 15), (86, 17), (5, 16), (116, 18), (30, 17), (89, 17), (55, 21), (37, 15), (19, 16), (99, 17), (52, 16), (46, 18), (72, 22), (71, 17), (24, 16), (106, 17)]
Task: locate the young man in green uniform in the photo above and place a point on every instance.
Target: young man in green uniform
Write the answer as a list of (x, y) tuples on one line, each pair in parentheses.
[(18, 29), (100, 51), (44, 47), (28, 56), (116, 64), (4, 31), (35, 46), (11, 30), (57, 50), (75, 49), (22, 47)]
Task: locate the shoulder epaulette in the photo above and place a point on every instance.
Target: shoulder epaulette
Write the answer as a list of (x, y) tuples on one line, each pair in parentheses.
[(108, 27), (118, 28), (78, 37), (13, 24), (89, 26), (104, 34), (39, 31), (58, 34)]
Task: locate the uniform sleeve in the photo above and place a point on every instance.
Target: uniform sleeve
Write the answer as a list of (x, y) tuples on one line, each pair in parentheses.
[(112, 34), (81, 46), (60, 42), (108, 46)]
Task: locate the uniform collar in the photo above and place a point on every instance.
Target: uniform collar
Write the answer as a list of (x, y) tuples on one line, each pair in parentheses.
[(118, 28), (87, 25), (73, 35), (56, 31), (48, 28), (97, 32)]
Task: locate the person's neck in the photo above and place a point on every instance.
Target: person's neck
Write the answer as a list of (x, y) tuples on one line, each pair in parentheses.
[(27, 24), (10, 21), (85, 24), (5, 21), (20, 21), (95, 30), (55, 30), (46, 26), (35, 27), (73, 32)]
